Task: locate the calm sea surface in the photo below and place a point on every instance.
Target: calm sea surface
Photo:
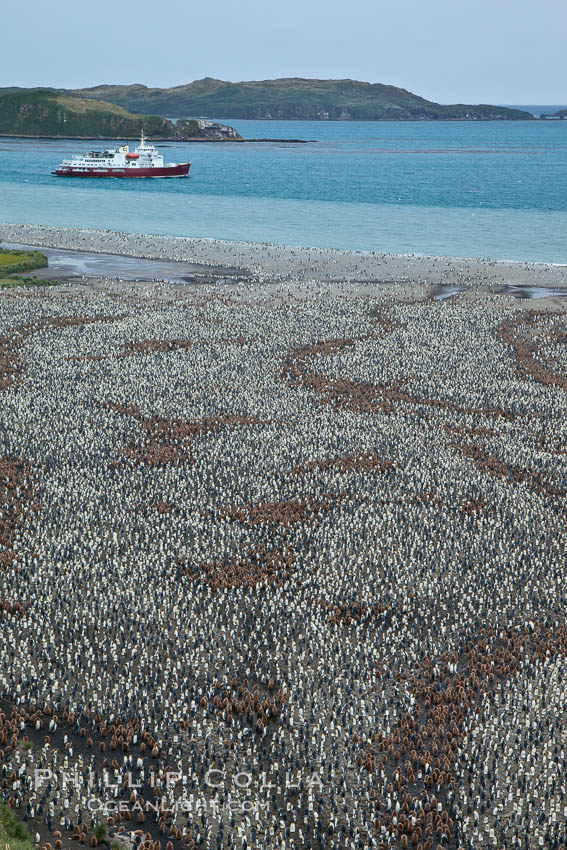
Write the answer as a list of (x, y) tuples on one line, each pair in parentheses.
[(490, 189)]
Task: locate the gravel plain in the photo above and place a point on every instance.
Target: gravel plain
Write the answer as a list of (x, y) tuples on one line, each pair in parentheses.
[(282, 560)]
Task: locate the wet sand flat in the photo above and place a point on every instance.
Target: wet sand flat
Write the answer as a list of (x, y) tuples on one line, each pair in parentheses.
[(66, 264), (267, 261)]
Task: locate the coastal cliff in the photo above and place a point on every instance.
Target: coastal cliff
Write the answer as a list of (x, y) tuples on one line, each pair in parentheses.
[(294, 98), (48, 114)]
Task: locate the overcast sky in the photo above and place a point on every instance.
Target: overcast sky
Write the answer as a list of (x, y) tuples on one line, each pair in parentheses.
[(492, 51)]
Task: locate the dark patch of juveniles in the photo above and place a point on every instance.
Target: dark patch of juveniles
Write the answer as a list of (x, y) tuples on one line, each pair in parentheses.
[(11, 365), (346, 613), (468, 431), (381, 317), (361, 396), (472, 506), (162, 507), (168, 440), (363, 462), (166, 346), (11, 609), (283, 513), (104, 742), (261, 565), (523, 334), (419, 756), (124, 409), (428, 497), (10, 361), (497, 468), (230, 340), (240, 702), (16, 499)]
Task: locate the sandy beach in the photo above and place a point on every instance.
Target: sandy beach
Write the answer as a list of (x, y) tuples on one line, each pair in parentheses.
[(283, 263)]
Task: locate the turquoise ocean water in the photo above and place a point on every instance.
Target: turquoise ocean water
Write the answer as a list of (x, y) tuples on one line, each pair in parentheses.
[(488, 189)]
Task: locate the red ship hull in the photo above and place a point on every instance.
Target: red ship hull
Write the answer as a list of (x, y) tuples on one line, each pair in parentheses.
[(180, 170)]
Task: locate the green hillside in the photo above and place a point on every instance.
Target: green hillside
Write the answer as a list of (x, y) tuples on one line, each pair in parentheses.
[(41, 112), (292, 98), (47, 113)]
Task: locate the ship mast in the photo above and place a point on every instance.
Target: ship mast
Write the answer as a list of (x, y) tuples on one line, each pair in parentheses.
[(142, 140)]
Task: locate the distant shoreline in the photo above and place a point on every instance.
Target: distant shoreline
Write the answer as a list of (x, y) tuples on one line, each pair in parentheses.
[(154, 139)]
